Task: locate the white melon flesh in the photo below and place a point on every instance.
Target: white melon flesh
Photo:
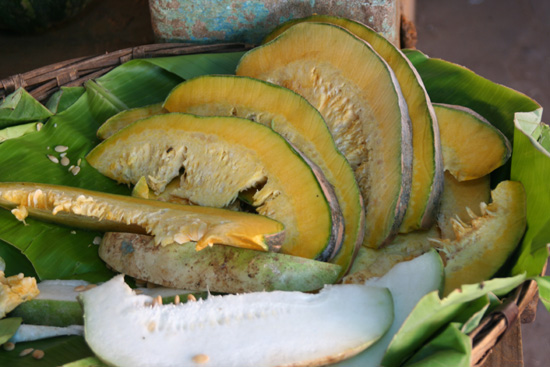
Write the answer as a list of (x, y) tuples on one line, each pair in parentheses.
[(252, 329), (408, 282)]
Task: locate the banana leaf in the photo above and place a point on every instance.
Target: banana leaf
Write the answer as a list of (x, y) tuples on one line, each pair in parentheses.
[(64, 98), (8, 327), (57, 352), (20, 107), (13, 132)]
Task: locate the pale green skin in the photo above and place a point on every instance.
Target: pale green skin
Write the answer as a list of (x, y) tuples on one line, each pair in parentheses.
[(58, 310), (222, 269)]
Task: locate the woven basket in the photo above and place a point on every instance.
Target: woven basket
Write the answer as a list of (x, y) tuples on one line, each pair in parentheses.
[(43, 82)]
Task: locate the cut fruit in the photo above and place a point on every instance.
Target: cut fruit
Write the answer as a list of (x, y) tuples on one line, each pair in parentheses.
[(218, 269), (481, 248), (357, 94), (295, 119), (57, 304), (461, 202), (472, 147), (212, 159), (126, 117), (168, 223), (252, 329), (15, 290), (371, 263), (427, 176), (408, 282)]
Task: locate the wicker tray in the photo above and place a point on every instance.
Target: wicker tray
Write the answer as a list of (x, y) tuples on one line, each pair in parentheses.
[(41, 83)]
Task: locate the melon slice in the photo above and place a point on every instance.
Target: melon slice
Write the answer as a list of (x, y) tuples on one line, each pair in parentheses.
[(481, 248), (461, 202), (408, 282), (472, 147), (291, 116), (252, 329), (218, 269), (357, 94), (168, 223), (427, 176), (126, 117), (215, 158)]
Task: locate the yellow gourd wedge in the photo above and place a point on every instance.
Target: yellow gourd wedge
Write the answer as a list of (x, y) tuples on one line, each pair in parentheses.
[(167, 223), (212, 159), (481, 248), (461, 202), (358, 96), (291, 116), (126, 117), (472, 147), (427, 176)]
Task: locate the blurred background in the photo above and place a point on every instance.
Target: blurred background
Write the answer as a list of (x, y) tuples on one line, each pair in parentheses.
[(506, 41)]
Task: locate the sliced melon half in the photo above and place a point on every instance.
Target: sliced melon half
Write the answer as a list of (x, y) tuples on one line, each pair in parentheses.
[(427, 179), (358, 95), (461, 202), (291, 116), (215, 158), (168, 223), (472, 147), (252, 329), (482, 247)]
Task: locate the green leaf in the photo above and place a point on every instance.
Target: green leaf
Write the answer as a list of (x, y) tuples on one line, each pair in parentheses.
[(20, 107), (13, 132), (544, 290), (64, 98), (531, 166), (15, 261), (449, 348), (86, 362), (433, 313), (57, 352), (8, 327)]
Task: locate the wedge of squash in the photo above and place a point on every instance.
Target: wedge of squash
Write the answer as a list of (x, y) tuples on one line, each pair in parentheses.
[(358, 95), (291, 116), (461, 202), (472, 147), (168, 223), (481, 248), (427, 176), (212, 159), (126, 117), (216, 269)]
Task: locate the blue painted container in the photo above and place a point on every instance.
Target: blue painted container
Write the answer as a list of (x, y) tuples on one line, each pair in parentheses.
[(249, 21)]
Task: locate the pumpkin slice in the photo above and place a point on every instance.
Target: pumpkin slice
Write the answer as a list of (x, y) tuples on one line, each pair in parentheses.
[(126, 117), (213, 159), (472, 147), (357, 94), (427, 176), (168, 223), (217, 269), (295, 119), (461, 202), (247, 330), (481, 248)]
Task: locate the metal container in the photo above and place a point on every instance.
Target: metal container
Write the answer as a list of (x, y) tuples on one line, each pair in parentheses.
[(249, 21)]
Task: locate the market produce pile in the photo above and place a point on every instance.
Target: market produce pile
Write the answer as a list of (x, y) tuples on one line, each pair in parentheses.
[(324, 160)]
